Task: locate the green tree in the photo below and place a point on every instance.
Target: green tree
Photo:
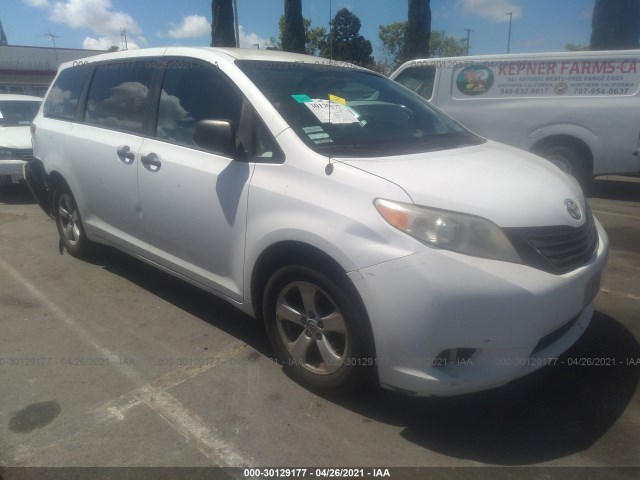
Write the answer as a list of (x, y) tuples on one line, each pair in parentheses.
[(416, 37), (222, 29), (392, 38), (440, 44), (315, 37), (293, 35), (615, 24), (443, 45), (3, 37), (345, 42)]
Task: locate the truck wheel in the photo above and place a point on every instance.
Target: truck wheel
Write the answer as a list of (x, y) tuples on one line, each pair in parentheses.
[(69, 223), (569, 161), (317, 332)]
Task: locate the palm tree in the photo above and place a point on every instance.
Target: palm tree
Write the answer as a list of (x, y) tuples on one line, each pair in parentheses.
[(293, 34), (222, 29)]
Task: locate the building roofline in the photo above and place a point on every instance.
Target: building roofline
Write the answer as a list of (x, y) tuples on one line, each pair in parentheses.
[(56, 48)]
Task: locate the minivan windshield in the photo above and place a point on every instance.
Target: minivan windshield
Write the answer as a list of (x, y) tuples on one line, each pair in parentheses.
[(352, 112), (17, 113)]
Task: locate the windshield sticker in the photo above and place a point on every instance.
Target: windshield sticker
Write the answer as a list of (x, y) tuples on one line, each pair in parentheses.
[(317, 134), (331, 112), (314, 129), (335, 98), (300, 98)]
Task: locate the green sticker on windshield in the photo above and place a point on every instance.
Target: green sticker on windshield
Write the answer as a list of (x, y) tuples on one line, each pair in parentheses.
[(301, 98)]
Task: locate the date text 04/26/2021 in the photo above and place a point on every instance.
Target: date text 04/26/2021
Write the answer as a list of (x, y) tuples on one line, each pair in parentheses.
[(317, 472)]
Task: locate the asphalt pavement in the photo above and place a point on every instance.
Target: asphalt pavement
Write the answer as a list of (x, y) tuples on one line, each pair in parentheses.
[(109, 362)]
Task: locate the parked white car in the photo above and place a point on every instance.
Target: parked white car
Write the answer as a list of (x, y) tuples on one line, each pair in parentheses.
[(370, 232), (577, 109), (16, 114)]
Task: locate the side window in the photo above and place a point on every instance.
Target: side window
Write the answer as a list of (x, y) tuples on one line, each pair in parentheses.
[(65, 93), (119, 96), (419, 79), (191, 92)]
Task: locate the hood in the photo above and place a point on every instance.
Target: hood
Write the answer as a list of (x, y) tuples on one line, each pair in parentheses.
[(18, 138), (508, 186)]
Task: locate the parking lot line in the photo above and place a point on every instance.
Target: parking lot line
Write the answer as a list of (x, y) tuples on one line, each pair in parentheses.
[(116, 408), (619, 294), (614, 214), (188, 424)]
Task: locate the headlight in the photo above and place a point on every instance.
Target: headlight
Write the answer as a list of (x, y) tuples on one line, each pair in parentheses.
[(454, 231), (5, 154)]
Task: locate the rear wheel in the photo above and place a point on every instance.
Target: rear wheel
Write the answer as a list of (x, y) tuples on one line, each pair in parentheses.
[(69, 223), (318, 333)]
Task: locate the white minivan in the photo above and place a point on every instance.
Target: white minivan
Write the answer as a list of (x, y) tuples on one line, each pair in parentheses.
[(580, 110), (16, 114), (375, 236)]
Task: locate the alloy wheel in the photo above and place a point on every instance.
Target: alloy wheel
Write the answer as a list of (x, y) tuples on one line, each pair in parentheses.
[(312, 328), (69, 219)]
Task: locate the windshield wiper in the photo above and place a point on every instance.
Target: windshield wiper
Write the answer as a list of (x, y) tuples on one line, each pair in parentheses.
[(336, 149), (449, 140)]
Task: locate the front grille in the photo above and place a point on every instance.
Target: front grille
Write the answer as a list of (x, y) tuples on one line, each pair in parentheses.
[(23, 154), (557, 249)]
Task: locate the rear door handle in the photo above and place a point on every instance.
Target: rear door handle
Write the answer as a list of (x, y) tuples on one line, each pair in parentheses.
[(125, 154), (151, 162)]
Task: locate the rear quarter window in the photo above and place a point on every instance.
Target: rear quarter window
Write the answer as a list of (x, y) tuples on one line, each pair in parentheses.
[(65, 93)]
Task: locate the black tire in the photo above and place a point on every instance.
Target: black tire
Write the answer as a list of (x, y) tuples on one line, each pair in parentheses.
[(570, 161), (69, 223), (351, 359)]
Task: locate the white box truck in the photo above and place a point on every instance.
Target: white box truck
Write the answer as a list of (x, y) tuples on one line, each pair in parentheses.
[(580, 110)]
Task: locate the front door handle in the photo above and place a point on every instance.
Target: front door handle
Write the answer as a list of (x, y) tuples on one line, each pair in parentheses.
[(151, 162), (125, 154)]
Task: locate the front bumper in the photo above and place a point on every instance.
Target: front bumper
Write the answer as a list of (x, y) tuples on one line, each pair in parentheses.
[(513, 318), (12, 168)]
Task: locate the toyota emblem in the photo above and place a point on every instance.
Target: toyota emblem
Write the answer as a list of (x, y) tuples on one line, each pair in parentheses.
[(573, 209)]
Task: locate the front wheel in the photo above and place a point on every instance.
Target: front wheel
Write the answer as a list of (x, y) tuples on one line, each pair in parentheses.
[(318, 333), (69, 224)]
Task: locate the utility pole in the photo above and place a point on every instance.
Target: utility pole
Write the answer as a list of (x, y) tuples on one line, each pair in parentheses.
[(509, 38), (123, 39), (52, 38), (468, 30)]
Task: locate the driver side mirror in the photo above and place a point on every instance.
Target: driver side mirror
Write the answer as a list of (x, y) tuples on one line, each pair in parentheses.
[(215, 136)]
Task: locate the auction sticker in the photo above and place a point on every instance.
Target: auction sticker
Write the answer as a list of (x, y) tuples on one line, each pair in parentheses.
[(328, 111)]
